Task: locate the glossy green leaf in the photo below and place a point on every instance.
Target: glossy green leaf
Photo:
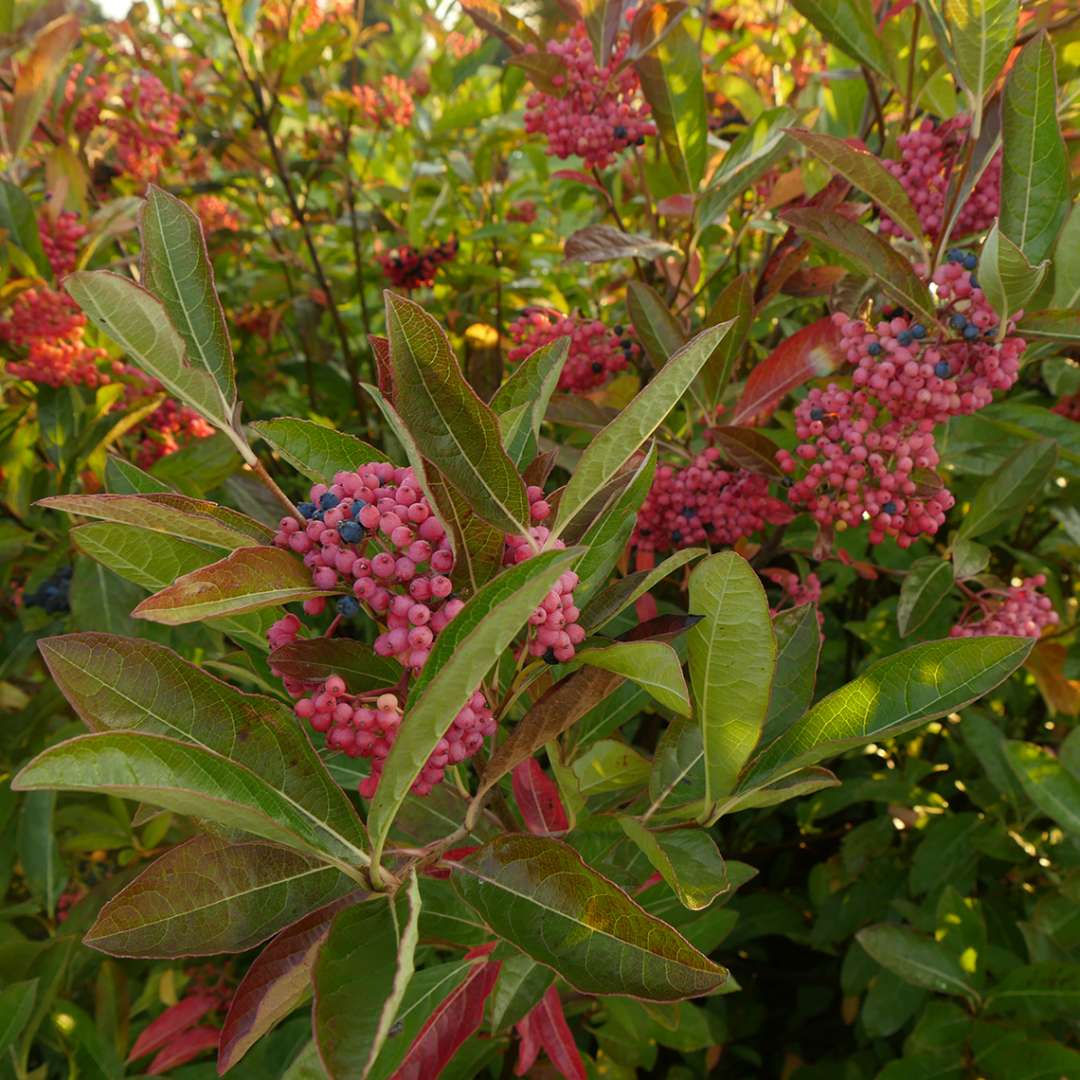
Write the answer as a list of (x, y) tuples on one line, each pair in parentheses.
[(890, 697), (1038, 992), (1006, 278), (1049, 785), (176, 268), (450, 424), (735, 302), (732, 656), (653, 665), (16, 1005), (137, 321), (609, 765), (916, 959), (1067, 263), (537, 893), (120, 684), (521, 402), (687, 859), (969, 558), (660, 333), (246, 580), (209, 895), (462, 655), (678, 771), (1035, 165), (1053, 325), (151, 560), (174, 515), (39, 853), (927, 583), (982, 33), (672, 82), (618, 596), (865, 171), (869, 252), (620, 440), (849, 25), (360, 979), (522, 983), (316, 659), (1015, 483), (315, 450), (798, 643), (18, 221)]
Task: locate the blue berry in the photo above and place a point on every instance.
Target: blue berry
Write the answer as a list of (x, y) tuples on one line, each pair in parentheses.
[(942, 369), (817, 414), (328, 501), (958, 322), (970, 262), (348, 606), (971, 332), (918, 331), (974, 283), (676, 537), (307, 509), (357, 506), (904, 337), (873, 348), (889, 507), (352, 532)]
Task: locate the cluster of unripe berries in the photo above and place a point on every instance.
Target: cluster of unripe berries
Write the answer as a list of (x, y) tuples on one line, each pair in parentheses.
[(596, 353), (1020, 611), (407, 267), (705, 503), (389, 105), (52, 594), (596, 112), (928, 157)]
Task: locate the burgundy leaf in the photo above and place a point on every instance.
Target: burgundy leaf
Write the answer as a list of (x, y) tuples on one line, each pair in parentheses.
[(276, 980), (748, 449), (808, 354), (453, 855), (380, 348), (184, 1048), (537, 797), (173, 1020), (452, 1022), (545, 1027)]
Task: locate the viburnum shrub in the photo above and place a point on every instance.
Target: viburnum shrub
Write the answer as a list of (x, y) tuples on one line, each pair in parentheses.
[(472, 614)]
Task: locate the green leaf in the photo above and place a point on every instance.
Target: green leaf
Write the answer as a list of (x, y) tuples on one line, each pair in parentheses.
[(537, 893), (184, 778), (315, 450), (1035, 165), (982, 33), (1054, 325), (735, 302), (653, 665), (450, 424), (18, 221), (619, 441), (688, 860), (1049, 785), (870, 252), (246, 580), (603, 21), (618, 596), (1067, 263), (1006, 278), (360, 979), (751, 154), (605, 243), (39, 854), (849, 25), (609, 765), (732, 656), (748, 449), (176, 268), (660, 333), (174, 515), (120, 684), (149, 559), (521, 402), (673, 85), (798, 643), (890, 697), (927, 583), (209, 895), (522, 983), (316, 659), (916, 959), (969, 558), (1038, 992), (462, 655), (1015, 483), (865, 171), (678, 771), (137, 321), (16, 1005)]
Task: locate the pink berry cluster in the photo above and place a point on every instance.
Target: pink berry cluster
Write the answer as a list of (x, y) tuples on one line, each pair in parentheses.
[(60, 238), (407, 267), (797, 590), (928, 156), (1019, 611), (597, 112), (705, 503), (596, 353), (389, 105)]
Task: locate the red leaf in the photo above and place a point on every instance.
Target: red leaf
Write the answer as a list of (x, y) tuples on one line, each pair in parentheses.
[(808, 354), (380, 348), (452, 1022), (183, 1049), (545, 1026), (537, 797), (172, 1021), (453, 855), (276, 977)]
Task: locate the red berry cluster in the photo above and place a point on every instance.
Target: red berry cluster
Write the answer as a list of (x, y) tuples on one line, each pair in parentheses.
[(407, 267), (523, 211), (461, 45), (928, 156), (1068, 406), (796, 590), (598, 112), (217, 215), (1019, 611), (705, 503), (60, 240), (596, 353), (389, 105)]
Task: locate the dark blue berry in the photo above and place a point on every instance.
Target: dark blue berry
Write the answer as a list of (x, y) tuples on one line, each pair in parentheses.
[(347, 606), (970, 262), (942, 369), (955, 255), (918, 331), (328, 501), (958, 322), (974, 283), (549, 657), (971, 332), (617, 329), (874, 348), (689, 511), (817, 414), (352, 532), (904, 337), (676, 537), (889, 507), (620, 131), (307, 509), (357, 506), (597, 367)]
